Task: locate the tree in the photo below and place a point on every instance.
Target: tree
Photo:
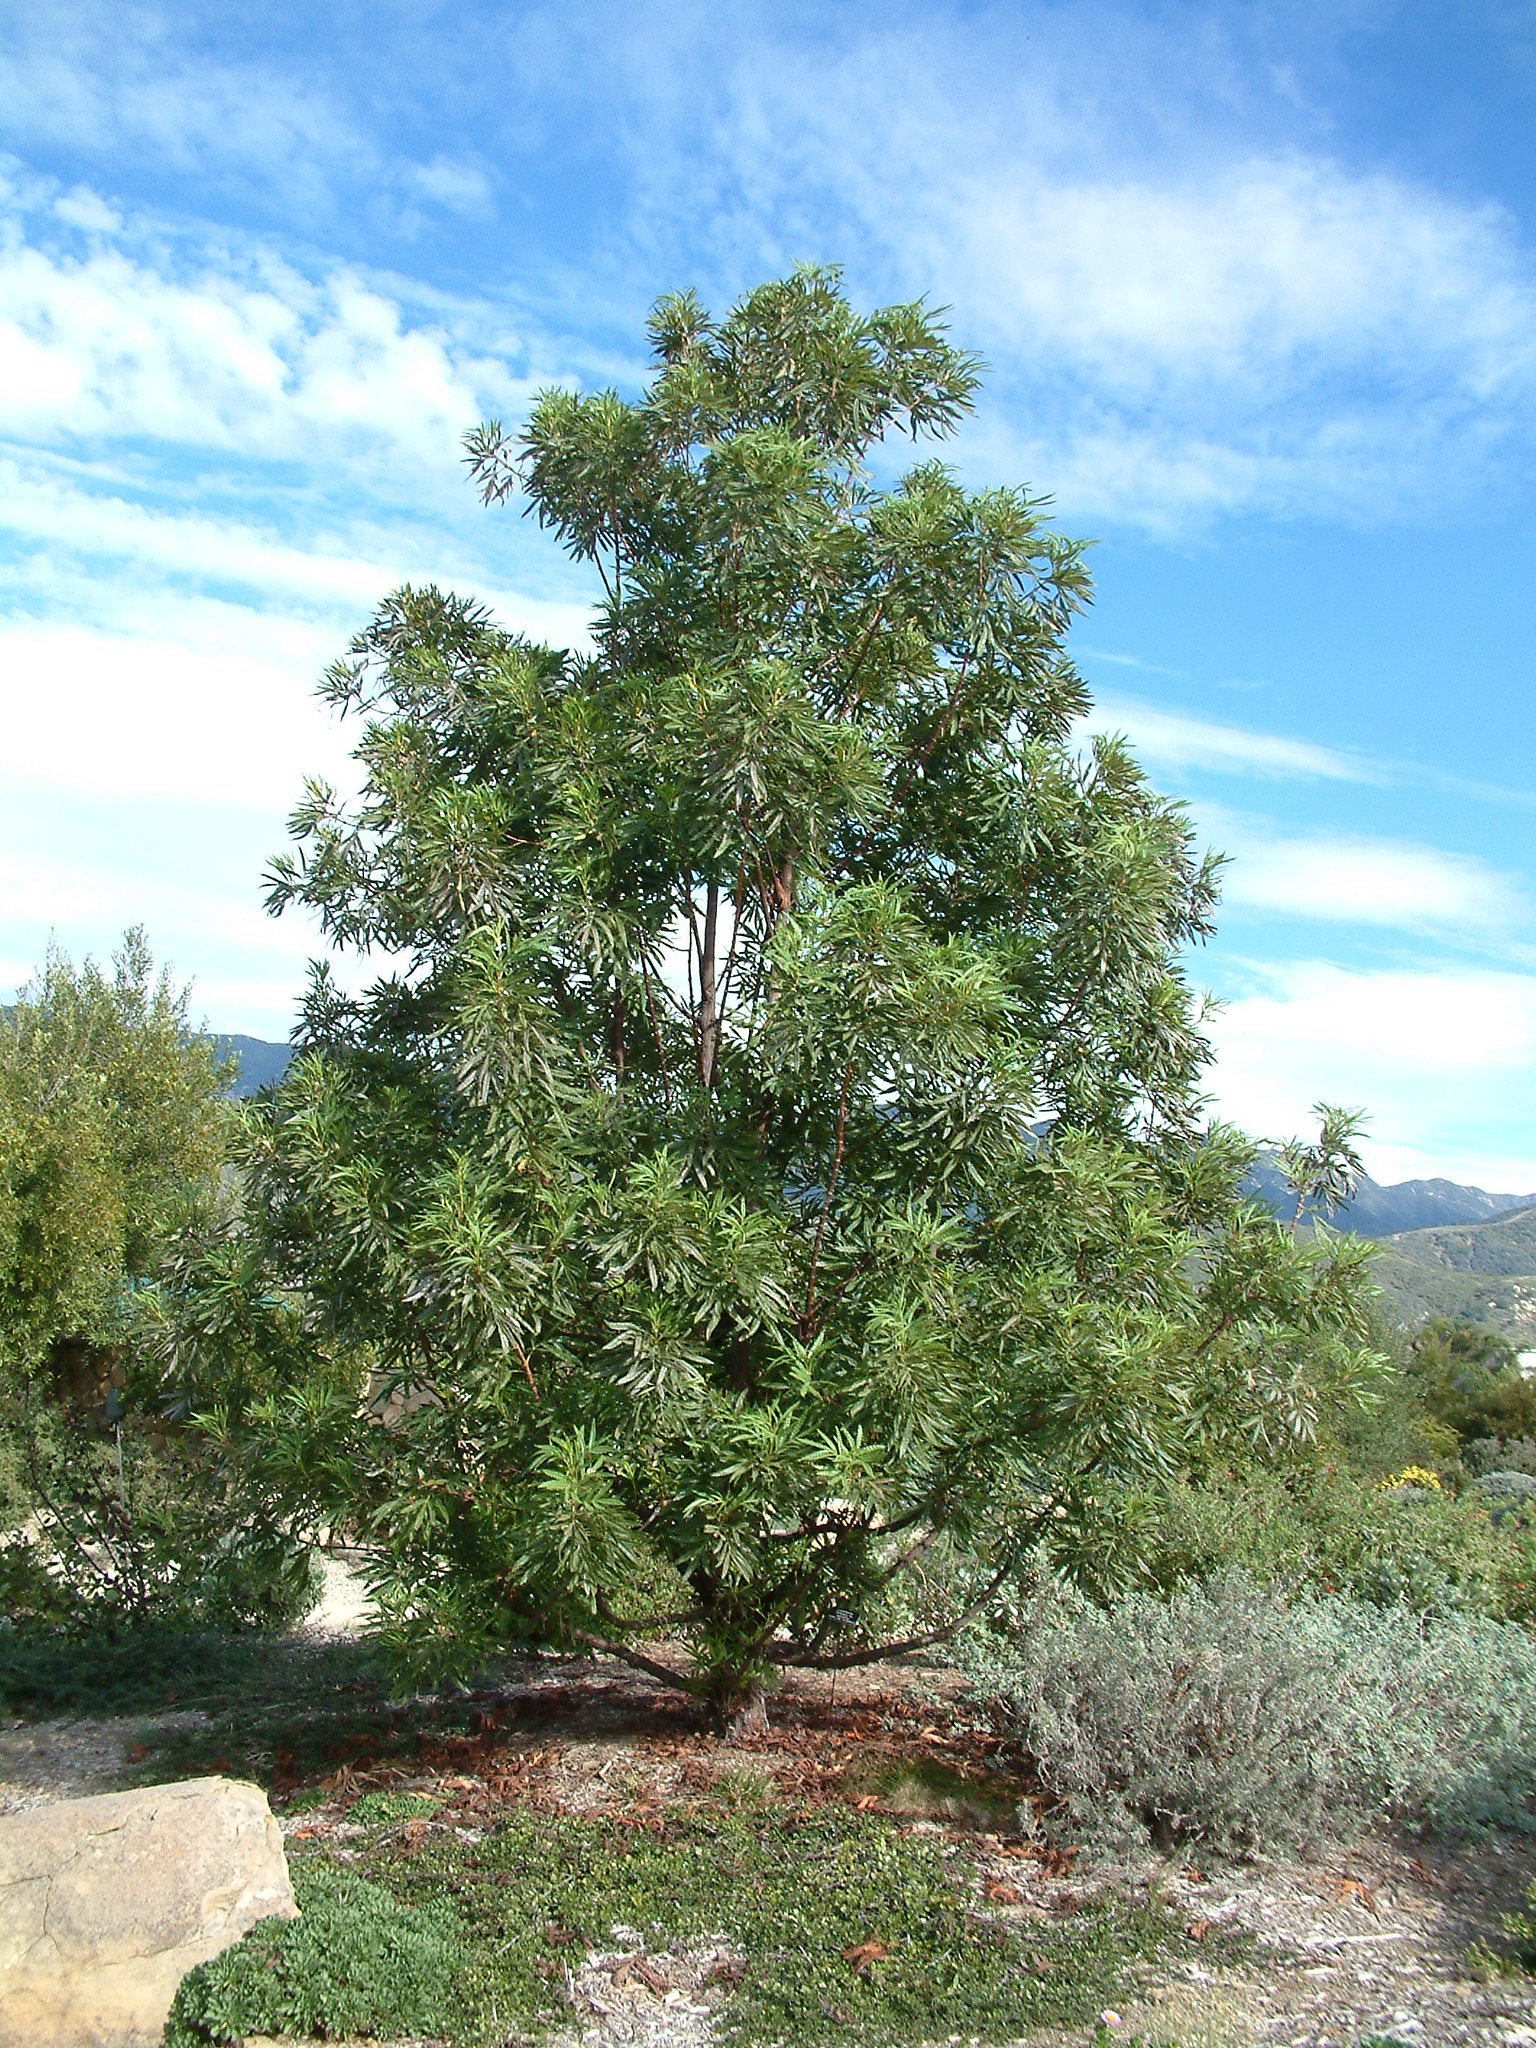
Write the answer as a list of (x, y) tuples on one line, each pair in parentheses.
[(778, 1146), (110, 1115), (1469, 1378), (112, 1136)]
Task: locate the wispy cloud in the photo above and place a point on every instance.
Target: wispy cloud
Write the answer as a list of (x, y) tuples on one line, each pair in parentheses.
[(1178, 740), (1182, 319), (1353, 878), (1191, 302)]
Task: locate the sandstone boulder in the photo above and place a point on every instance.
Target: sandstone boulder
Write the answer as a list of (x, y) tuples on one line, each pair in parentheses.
[(106, 1903)]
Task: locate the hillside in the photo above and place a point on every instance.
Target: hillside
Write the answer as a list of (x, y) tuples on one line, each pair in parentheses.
[(1482, 1271)]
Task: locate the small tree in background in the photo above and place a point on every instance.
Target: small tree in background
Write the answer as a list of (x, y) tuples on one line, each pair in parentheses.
[(113, 1128), (779, 1146), (111, 1116)]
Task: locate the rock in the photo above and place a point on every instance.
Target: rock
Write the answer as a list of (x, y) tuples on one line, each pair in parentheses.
[(106, 1903)]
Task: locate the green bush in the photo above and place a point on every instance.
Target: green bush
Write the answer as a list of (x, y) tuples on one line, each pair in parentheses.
[(1332, 1532), (147, 1527), (118, 1506), (356, 1962), (1468, 1377), (1235, 1717)]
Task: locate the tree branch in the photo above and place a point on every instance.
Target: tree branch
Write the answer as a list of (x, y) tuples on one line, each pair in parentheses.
[(807, 1319), (650, 1004), (849, 700), (607, 1648), (848, 1659), (709, 1021)]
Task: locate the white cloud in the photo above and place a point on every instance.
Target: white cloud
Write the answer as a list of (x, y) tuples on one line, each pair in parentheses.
[(1176, 740), (453, 184), (88, 211), (1350, 878), (118, 82), (1443, 1062), (189, 696), (189, 699), (1184, 310), (1245, 270), (75, 896), (67, 520), (247, 968), (242, 358)]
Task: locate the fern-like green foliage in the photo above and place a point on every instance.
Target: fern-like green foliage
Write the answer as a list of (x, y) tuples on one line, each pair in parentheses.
[(777, 1137)]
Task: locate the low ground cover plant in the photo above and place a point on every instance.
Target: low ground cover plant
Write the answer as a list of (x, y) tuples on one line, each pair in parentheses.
[(355, 1962), (839, 1927), (1238, 1716)]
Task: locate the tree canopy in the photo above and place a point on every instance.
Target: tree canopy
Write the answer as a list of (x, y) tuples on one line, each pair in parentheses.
[(109, 1115), (776, 1147)]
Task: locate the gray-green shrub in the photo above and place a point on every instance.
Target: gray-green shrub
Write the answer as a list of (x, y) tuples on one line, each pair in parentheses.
[(1495, 1454), (1233, 1716), (1507, 1485)]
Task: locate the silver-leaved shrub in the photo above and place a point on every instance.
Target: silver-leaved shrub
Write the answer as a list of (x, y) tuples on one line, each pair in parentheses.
[(1241, 1719)]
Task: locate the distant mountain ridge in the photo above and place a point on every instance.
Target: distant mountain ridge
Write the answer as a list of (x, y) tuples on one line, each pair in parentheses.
[(261, 1062), (1378, 1211)]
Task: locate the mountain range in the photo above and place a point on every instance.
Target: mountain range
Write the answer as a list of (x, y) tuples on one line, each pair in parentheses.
[(260, 1061), (1378, 1211)]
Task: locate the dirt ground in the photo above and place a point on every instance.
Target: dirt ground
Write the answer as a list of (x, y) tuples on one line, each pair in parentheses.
[(1365, 1943)]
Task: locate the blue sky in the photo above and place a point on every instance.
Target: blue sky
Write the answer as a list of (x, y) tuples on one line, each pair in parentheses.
[(1257, 289)]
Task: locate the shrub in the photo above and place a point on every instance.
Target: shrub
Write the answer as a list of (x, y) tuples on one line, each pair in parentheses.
[(148, 1528), (357, 1962), (1517, 1486), (1469, 1378), (1202, 1718), (1418, 1547), (1501, 1454), (1232, 1716)]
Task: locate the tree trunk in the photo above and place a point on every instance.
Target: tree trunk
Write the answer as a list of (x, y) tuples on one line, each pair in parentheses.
[(709, 1020), (749, 1716), (616, 1032)]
